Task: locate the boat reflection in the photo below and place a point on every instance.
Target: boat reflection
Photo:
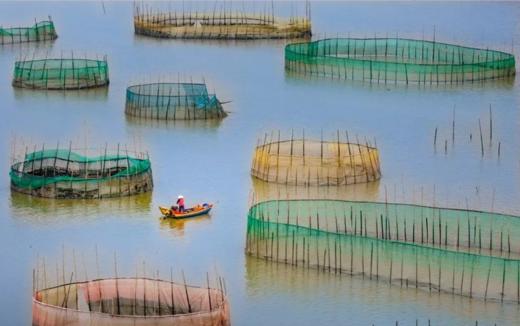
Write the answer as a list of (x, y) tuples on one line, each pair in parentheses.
[(178, 226)]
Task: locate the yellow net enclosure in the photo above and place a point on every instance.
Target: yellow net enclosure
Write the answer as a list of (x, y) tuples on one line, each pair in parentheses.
[(224, 23), (308, 162)]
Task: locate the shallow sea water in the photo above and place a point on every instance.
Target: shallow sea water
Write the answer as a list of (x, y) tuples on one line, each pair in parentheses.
[(208, 161)]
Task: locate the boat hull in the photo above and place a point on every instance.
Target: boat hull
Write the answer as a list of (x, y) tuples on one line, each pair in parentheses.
[(168, 213)]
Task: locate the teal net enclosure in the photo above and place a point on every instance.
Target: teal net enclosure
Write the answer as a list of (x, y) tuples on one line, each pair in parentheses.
[(61, 73), (394, 60), (67, 173), (40, 31), (172, 101), (320, 234)]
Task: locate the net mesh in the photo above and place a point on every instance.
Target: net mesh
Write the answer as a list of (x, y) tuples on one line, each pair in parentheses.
[(73, 73), (124, 301), (321, 234), (311, 162), (235, 26), (397, 60), (63, 173), (172, 101), (40, 31)]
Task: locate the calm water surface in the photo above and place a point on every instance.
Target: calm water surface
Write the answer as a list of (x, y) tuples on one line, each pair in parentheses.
[(210, 161)]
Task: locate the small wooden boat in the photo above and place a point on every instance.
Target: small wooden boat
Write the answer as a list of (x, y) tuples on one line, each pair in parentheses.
[(190, 212)]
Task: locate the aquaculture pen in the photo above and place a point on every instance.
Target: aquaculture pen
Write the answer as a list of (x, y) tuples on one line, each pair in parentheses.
[(405, 61), (307, 233), (309, 162)]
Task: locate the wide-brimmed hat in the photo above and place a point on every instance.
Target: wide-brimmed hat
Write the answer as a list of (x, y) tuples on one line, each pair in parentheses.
[(180, 196)]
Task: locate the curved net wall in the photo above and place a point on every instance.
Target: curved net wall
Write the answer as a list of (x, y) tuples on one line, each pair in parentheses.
[(64, 173), (397, 60), (40, 31), (172, 101), (224, 26), (299, 233), (312, 162), (129, 301), (61, 73)]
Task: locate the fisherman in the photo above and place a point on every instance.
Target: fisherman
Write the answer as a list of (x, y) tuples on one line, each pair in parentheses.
[(180, 203)]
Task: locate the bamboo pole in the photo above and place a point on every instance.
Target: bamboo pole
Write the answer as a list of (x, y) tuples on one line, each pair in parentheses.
[(481, 139), (186, 291)]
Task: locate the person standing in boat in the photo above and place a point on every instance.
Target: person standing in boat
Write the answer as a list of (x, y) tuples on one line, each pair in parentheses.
[(180, 203)]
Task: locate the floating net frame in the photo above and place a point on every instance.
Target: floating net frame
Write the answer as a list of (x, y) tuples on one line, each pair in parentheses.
[(464, 230), (277, 233), (62, 296), (136, 301), (307, 162), (41, 31), (222, 25), (172, 101), (395, 60), (61, 73), (73, 173)]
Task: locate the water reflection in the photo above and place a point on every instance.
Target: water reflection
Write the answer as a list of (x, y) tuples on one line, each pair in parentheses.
[(48, 211), (297, 79), (276, 282), (27, 47), (86, 95), (177, 227), (210, 124), (147, 40), (360, 192)]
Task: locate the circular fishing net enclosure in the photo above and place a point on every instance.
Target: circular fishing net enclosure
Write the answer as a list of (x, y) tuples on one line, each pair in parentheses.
[(129, 301), (393, 60), (40, 31), (61, 73), (172, 101), (66, 173), (314, 162), (342, 238), (220, 25)]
